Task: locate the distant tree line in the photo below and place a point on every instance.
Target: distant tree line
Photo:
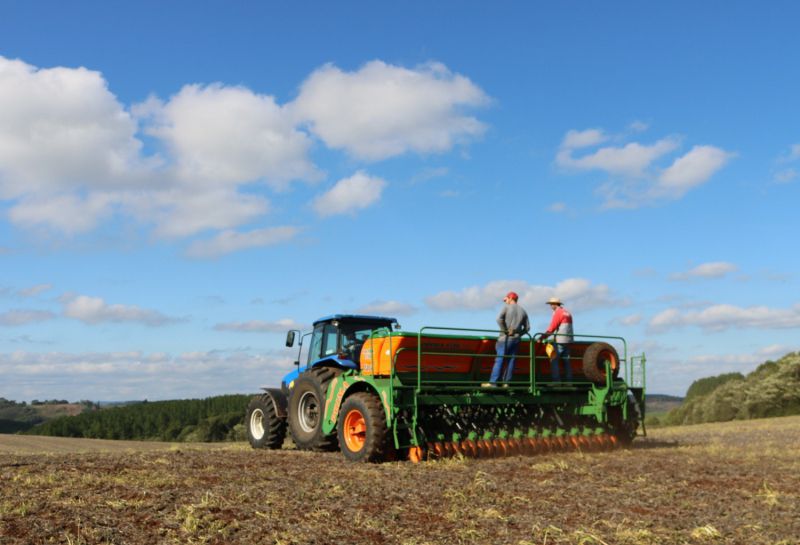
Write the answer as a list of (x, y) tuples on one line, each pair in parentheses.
[(212, 419), (773, 389), (16, 417)]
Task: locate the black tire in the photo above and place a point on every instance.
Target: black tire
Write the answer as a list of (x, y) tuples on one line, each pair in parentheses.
[(307, 409), (265, 429), (594, 362), (369, 445), (624, 429)]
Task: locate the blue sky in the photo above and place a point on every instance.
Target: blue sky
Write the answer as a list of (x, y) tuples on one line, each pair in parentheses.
[(181, 182)]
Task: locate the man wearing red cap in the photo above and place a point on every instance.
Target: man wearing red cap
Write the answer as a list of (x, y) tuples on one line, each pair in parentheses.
[(513, 322)]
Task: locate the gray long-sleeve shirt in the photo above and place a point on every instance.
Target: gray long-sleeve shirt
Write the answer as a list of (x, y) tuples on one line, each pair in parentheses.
[(513, 318)]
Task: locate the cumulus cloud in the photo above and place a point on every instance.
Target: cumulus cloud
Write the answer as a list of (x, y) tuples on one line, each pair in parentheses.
[(581, 139), (66, 213), (721, 317), (348, 195), (94, 310), (233, 241), (637, 175), (577, 294), (387, 308), (229, 135), (690, 170), (259, 326), (715, 269), (61, 128), (72, 156), (382, 110), (18, 317), (629, 160)]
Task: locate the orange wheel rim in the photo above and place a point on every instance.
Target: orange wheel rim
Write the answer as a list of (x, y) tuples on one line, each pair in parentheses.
[(415, 454), (355, 430), (608, 355)]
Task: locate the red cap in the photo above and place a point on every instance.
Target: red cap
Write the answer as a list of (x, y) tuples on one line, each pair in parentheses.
[(512, 295)]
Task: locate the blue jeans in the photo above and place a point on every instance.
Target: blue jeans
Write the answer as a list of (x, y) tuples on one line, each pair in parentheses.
[(506, 352), (562, 355)]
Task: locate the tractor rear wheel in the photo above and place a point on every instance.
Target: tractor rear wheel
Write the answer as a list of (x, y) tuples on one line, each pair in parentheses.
[(362, 428), (307, 409), (265, 429), (594, 362)]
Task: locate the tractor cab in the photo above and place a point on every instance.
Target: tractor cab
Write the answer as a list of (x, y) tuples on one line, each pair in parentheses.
[(337, 340)]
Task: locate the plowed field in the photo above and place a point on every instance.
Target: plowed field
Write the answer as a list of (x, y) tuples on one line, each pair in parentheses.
[(727, 483)]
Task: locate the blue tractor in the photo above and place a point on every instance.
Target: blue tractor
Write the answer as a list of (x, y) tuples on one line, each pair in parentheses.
[(335, 347)]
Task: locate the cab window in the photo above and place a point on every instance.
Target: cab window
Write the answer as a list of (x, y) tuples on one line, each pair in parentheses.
[(315, 350), (330, 335)]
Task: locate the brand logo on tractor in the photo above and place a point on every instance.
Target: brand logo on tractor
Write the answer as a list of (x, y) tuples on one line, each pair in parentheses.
[(338, 402)]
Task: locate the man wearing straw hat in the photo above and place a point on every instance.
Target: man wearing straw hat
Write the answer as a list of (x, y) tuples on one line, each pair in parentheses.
[(513, 322), (561, 325)]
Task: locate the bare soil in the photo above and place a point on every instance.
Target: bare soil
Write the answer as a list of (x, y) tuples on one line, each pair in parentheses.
[(734, 483)]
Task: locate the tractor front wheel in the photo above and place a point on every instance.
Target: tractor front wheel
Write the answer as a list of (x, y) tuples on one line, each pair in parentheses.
[(362, 428), (265, 429)]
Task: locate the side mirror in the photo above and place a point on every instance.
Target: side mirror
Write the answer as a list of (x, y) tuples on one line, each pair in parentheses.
[(397, 326), (290, 338)]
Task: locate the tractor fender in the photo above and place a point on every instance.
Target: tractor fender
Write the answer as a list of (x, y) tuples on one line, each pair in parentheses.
[(343, 387), (279, 400)]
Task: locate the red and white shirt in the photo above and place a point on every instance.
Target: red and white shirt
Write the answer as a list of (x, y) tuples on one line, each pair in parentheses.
[(561, 324)]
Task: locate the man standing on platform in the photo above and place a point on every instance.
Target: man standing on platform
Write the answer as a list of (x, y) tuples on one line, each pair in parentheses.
[(513, 322), (561, 325)]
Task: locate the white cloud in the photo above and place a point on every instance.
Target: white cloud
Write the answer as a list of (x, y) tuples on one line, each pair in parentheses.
[(636, 177), (638, 126), (233, 241), (631, 320), (721, 317), (693, 169), (67, 213), (387, 308), (738, 361), (94, 310), (33, 291), (259, 326), (177, 214), (116, 376), (629, 160), (230, 135), (576, 293), (61, 128), (557, 207), (18, 317), (383, 110), (794, 152), (670, 374), (716, 269), (581, 139), (72, 156), (350, 194), (786, 175)]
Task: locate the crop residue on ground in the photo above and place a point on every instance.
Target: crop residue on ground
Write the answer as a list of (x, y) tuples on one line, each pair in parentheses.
[(725, 483)]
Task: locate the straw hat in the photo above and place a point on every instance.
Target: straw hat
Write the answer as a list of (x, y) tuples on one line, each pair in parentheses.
[(554, 301)]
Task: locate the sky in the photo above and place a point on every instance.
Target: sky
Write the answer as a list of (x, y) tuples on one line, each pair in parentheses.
[(182, 182)]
